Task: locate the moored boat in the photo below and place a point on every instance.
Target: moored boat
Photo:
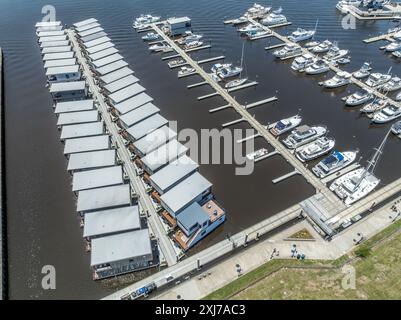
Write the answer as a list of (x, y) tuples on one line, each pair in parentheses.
[(315, 149), (334, 162), (285, 125), (303, 135)]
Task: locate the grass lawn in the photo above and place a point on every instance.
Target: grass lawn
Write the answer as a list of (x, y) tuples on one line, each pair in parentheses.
[(378, 275)]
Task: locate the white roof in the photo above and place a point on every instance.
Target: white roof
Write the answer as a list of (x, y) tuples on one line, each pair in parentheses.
[(64, 49), (185, 192), (146, 126), (133, 103), (94, 36), (97, 178), (86, 144), (96, 42), (104, 53), (116, 75), (103, 198), (62, 70), (88, 26), (58, 56), (123, 246), (51, 33), (92, 160), (72, 106), (84, 22), (49, 28), (170, 151), (173, 173), (122, 83), (105, 222), (100, 47), (82, 130), (107, 60), (139, 114), (78, 117), (90, 31), (49, 44), (67, 86), (52, 38), (111, 67), (178, 20), (60, 63), (47, 24), (154, 140), (128, 92)]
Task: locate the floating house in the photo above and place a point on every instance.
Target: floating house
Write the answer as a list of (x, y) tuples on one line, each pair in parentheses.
[(178, 26), (73, 90)]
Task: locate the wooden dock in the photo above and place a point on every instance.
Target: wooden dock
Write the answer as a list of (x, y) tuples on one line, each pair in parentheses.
[(386, 37), (248, 138), (171, 57), (261, 102), (210, 95), (187, 75), (275, 46), (197, 84), (226, 106), (211, 59), (267, 35), (246, 85), (198, 48), (270, 154), (231, 123), (286, 176)]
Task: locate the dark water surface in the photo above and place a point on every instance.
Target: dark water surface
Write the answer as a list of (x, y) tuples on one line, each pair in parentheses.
[(43, 228)]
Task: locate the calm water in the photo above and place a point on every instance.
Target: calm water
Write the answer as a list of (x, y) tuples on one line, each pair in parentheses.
[(43, 228)]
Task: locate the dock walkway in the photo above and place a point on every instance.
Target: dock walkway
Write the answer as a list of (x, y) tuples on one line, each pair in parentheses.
[(144, 199)]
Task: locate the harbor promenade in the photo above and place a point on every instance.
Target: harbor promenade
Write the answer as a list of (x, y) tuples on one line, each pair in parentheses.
[(155, 224)]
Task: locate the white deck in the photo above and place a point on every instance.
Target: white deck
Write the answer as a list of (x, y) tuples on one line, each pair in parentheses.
[(91, 160), (82, 130), (97, 178), (87, 144)]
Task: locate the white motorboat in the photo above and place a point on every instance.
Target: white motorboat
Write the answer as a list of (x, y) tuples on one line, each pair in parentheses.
[(301, 35), (218, 66), (228, 72), (274, 18), (185, 70), (256, 34), (239, 20), (193, 44), (363, 72), (397, 36), (303, 135), (340, 79), (249, 28), (323, 47), (376, 105), (176, 62), (150, 36), (144, 20), (301, 63), (159, 47), (253, 156), (359, 97), (315, 149), (398, 97), (335, 53), (394, 46), (285, 125), (257, 11), (311, 44), (392, 85), (237, 82), (190, 37), (396, 128), (387, 114), (320, 66), (377, 80), (344, 60), (289, 50), (396, 54), (334, 162), (344, 6)]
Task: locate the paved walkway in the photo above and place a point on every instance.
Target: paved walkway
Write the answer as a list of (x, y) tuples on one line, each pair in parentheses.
[(251, 258)]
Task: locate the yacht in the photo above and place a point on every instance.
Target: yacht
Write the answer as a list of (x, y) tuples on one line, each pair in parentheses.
[(394, 46), (315, 149), (303, 135), (256, 34), (274, 18), (301, 63), (333, 163), (396, 128), (311, 44), (144, 20), (289, 50), (363, 72), (301, 35), (397, 54), (249, 28), (239, 20), (218, 66), (344, 60), (193, 44), (320, 66), (377, 80), (387, 114), (340, 79), (376, 105), (190, 37), (285, 125), (228, 72), (335, 53), (323, 47), (257, 154), (257, 11), (159, 47), (150, 36), (185, 70), (176, 62), (393, 85), (359, 97)]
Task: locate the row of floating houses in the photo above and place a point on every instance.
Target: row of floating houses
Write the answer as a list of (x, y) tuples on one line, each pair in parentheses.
[(114, 225)]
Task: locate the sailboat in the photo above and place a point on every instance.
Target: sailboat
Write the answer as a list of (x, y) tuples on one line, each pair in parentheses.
[(358, 183), (240, 81)]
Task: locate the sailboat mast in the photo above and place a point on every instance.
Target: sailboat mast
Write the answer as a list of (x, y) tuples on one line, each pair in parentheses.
[(242, 60)]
